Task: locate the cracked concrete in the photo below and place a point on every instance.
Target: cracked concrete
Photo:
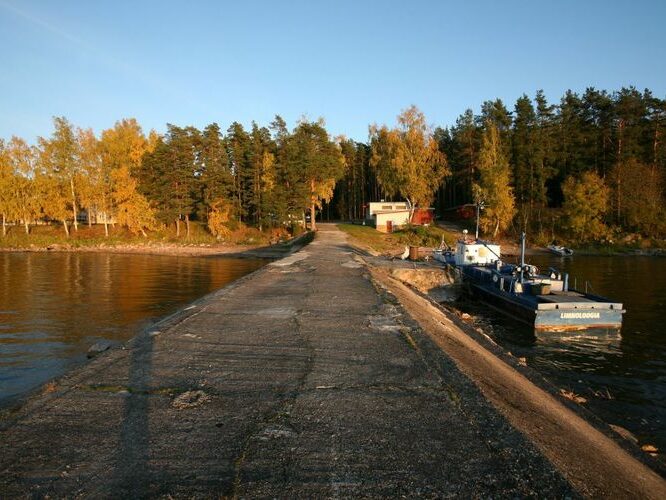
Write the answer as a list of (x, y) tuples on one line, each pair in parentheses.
[(302, 379)]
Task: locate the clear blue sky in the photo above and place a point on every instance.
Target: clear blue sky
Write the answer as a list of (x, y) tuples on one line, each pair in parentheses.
[(351, 62)]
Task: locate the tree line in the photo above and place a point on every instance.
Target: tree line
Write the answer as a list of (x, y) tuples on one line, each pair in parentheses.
[(264, 177), (599, 156), (588, 168)]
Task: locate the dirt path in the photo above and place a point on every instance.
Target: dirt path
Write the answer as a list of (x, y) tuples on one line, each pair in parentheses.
[(593, 463)]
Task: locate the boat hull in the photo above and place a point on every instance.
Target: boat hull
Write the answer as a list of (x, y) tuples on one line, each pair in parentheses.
[(561, 251), (552, 316)]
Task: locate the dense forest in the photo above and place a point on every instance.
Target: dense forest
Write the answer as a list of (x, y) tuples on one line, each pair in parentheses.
[(590, 168)]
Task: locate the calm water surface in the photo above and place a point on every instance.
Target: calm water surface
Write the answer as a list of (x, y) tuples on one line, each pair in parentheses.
[(622, 374), (53, 307)]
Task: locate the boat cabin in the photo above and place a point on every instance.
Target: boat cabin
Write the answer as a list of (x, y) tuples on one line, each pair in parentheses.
[(476, 252)]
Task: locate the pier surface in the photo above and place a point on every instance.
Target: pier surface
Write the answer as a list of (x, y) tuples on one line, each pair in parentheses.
[(303, 379)]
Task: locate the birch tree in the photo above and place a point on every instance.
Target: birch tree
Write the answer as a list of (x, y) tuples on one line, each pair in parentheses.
[(407, 158), (6, 175), (59, 156), (25, 202), (585, 204), (122, 149), (493, 186)]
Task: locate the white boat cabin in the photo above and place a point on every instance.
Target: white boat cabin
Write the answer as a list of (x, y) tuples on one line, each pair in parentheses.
[(476, 252)]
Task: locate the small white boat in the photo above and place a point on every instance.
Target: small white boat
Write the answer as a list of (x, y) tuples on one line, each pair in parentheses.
[(560, 250)]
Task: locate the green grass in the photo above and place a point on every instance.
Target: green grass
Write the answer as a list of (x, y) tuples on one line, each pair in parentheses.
[(385, 243), (425, 236), (368, 237)]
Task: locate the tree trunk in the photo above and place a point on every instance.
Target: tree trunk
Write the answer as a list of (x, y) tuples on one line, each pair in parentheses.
[(27, 226), (64, 223), (619, 197), (411, 209), (655, 149), (74, 209), (313, 223), (178, 227), (89, 214), (4, 225), (106, 227), (187, 226)]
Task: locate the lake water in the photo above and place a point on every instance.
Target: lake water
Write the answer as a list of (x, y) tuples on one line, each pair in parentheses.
[(621, 374), (54, 306)]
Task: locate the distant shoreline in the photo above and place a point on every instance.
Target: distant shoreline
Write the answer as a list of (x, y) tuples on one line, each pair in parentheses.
[(176, 249), (149, 248), (648, 252), (277, 250)]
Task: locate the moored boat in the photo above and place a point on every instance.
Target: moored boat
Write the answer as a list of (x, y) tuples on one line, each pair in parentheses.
[(560, 250), (522, 291)]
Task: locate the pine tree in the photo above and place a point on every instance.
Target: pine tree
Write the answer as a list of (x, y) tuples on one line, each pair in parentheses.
[(168, 176), (261, 176), (217, 182), (524, 158), (238, 151), (315, 163), (544, 152), (569, 158), (597, 129), (466, 137)]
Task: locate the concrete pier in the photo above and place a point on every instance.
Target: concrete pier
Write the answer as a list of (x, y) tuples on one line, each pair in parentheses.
[(303, 379)]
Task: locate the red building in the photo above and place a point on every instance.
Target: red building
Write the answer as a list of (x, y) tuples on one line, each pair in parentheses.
[(423, 216)]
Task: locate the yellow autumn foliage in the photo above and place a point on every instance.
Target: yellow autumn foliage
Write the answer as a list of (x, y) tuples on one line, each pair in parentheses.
[(220, 215)]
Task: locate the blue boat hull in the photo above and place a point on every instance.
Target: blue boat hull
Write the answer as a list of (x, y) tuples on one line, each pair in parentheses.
[(589, 312)]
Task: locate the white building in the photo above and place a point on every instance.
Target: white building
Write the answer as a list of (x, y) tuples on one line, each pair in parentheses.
[(388, 216)]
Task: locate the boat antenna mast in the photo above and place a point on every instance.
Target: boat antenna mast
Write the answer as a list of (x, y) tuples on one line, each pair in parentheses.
[(480, 205), (522, 255)]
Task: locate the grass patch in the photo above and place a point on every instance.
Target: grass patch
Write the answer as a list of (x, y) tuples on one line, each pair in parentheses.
[(391, 243), (425, 236), (369, 237)]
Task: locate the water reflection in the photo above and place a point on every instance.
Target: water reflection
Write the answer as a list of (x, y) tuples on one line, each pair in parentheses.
[(622, 374), (54, 306)]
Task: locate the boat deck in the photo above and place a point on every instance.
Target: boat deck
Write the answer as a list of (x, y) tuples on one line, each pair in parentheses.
[(559, 297)]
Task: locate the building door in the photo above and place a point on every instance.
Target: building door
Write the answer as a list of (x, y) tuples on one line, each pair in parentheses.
[(389, 226)]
